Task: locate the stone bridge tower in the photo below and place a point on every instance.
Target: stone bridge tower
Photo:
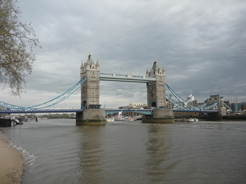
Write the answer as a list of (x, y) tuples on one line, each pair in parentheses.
[(90, 93), (90, 89), (156, 97), (156, 90), (221, 107)]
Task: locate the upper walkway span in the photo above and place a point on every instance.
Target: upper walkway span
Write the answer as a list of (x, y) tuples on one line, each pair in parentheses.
[(126, 78)]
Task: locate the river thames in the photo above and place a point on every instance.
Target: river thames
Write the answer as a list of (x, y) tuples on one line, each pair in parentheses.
[(59, 152)]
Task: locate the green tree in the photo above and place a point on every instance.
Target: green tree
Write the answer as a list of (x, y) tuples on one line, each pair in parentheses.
[(17, 41)]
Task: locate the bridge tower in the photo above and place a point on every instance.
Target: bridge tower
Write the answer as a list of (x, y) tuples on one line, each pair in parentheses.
[(92, 114), (221, 107), (90, 89), (156, 96), (156, 90)]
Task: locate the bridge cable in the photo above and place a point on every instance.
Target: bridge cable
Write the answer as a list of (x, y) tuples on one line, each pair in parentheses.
[(49, 103)]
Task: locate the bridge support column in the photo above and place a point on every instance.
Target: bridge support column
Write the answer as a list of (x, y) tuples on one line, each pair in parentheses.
[(91, 117), (159, 116), (222, 107)]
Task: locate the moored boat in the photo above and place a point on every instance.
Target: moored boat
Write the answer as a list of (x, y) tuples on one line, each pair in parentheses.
[(131, 119), (190, 120), (119, 118), (109, 120)]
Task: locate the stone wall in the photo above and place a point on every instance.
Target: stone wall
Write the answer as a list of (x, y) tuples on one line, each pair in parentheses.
[(162, 113), (159, 116), (91, 117)]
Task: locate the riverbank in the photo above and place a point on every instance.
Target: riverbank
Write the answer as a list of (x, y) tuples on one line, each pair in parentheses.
[(11, 163)]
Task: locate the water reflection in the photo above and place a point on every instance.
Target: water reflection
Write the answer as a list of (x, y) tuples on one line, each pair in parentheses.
[(158, 150), (90, 154)]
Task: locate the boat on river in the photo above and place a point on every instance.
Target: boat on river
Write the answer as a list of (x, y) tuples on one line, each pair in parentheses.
[(193, 120), (119, 118), (129, 118), (109, 120), (190, 120)]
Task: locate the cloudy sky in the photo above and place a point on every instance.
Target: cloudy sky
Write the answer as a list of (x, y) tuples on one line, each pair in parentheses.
[(200, 43)]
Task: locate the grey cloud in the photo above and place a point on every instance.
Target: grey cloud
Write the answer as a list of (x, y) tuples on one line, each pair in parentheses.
[(201, 44)]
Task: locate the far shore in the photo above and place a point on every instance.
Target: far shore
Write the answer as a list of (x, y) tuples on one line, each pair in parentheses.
[(11, 162)]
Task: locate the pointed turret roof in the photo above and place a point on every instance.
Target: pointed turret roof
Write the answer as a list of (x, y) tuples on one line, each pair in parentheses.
[(90, 61), (154, 68)]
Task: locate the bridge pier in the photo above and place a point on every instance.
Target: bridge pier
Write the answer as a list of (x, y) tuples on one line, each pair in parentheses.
[(91, 117), (159, 116)]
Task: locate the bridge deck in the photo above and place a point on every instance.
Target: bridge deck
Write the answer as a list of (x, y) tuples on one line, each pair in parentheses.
[(40, 111), (143, 111)]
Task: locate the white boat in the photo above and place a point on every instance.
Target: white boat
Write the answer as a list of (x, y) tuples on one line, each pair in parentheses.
[(109, 120), (192, 120), (131, 119), (137, 117), (119, 118)]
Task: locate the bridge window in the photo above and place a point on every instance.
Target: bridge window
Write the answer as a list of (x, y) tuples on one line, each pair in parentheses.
[(153, 104)]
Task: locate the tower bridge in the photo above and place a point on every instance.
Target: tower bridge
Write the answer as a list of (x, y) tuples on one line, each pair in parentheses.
[(155, 80), (160, 105)]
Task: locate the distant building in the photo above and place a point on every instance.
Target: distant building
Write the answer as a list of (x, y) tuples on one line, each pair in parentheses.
[(238, 106), (133, 106), (137, 105), (123, 107), (190, 98)]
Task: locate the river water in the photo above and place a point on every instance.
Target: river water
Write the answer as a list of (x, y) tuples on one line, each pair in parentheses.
[(59, 152)]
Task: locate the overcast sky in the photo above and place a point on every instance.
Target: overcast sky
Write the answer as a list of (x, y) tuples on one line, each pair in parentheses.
[(200, 43)]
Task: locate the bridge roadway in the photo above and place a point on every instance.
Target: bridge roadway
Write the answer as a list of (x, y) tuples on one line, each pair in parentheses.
[(108, 111)]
